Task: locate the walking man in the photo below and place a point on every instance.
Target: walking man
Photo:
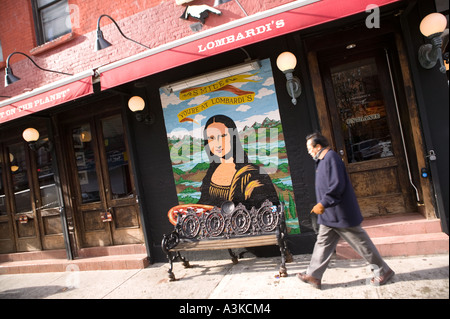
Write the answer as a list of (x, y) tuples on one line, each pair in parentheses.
[(339, 216)]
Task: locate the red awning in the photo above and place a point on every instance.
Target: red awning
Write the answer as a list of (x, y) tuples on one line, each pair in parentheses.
[(46, 97), (281, 20)]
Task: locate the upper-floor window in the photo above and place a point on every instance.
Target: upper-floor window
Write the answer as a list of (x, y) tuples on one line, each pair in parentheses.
[(52, 19)]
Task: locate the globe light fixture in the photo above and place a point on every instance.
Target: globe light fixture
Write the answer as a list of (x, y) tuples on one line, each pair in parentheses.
[(286, 63), (432, 26), (136, 104), (31, 136)]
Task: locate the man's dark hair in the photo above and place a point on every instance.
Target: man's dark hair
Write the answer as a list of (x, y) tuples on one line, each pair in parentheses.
[(317, 138)]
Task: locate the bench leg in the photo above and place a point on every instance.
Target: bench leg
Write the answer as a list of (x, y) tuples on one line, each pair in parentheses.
[(289, 257), (168, 242), (283, 270), (284, 255), (184, 260), (234, 258), (170, 271), (174, 258)]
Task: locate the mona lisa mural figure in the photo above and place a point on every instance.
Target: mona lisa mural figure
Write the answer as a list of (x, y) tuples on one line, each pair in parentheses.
[(230, 175)]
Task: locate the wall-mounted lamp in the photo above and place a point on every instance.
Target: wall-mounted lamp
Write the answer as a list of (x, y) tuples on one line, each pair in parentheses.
[(31, 136), (11, 78), (137, 104), (286, 62), (432, 27), (101, 43)]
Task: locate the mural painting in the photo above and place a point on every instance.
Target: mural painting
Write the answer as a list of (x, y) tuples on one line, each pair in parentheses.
[(226, 142)]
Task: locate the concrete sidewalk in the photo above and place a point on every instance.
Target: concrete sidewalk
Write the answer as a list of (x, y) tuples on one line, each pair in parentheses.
[(421, 277)]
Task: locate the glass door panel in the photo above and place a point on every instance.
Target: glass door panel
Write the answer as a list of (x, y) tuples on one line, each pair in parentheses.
[(116, 158), (19, 174), (46, 179), (85, 164), (362, 110)]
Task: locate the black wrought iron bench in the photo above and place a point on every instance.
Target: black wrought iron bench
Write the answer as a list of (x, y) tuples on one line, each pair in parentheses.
[(229, 227)]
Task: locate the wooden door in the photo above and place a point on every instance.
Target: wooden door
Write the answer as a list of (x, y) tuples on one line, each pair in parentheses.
[(7, 240), (104, 195), (366, 130), (30, 215)]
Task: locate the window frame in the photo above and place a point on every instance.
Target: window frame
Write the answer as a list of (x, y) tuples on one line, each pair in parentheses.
[(40, 35), (1, 53)]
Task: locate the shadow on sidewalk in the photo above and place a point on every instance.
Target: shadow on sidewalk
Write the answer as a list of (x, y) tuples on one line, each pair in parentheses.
[(439, 273), (38, 292)]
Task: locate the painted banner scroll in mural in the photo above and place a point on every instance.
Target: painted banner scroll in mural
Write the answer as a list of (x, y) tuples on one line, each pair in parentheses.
[(226, 142)]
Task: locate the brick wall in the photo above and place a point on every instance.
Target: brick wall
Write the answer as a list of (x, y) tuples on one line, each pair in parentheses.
[(150, 22)]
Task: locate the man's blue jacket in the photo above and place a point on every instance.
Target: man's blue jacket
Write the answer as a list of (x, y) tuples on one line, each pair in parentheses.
[(335, 192)]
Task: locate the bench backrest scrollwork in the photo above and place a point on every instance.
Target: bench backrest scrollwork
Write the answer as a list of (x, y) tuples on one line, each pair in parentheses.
[(230, 221)]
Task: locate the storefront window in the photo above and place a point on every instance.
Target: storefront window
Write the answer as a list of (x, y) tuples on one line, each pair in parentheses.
[(362, 110), (117, 157), (19, 174), (85, 161), (46, 179)]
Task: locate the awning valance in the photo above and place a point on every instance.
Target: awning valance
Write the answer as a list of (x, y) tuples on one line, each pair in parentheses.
[(47, 96)]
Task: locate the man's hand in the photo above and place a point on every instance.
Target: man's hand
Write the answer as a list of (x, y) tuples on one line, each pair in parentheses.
[(318, 209)]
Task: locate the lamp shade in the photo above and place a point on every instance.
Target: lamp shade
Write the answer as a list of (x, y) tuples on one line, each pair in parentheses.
[(100, 42), (10, 77), (136, 104), (286, 61), (434, 23), (30, 134)]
